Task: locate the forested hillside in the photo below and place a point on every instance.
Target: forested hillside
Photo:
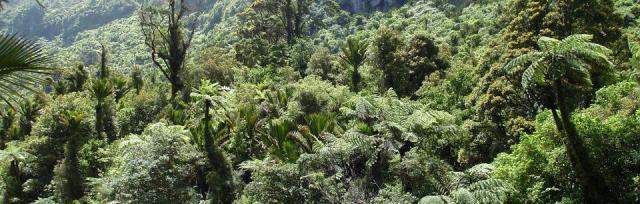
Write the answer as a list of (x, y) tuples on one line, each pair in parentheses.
[(320, 101)]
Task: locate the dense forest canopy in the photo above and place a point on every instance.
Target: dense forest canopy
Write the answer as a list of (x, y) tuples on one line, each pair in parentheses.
[(320, 101)]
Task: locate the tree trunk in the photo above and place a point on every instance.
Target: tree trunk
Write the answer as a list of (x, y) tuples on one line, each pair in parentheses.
[(73, 185), (176, 86), (355, 79), (15, 190), (99, 118), (290, 22), (220, 185), (594, 187), (557, 120)]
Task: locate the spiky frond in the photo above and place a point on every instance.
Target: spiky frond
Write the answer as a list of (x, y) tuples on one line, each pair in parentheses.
[(72, 120), (22, 63), (101, 89), (354, 52), (320, 122)]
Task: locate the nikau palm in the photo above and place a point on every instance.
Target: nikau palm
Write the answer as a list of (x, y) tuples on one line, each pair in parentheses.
[(354, 54), (22, 63), (560, 65)]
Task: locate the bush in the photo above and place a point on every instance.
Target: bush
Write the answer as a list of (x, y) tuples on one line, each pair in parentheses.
[(136, 111), (155, 167)]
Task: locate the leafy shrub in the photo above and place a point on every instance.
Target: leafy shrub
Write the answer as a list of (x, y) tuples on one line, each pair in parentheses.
[(136, 111), (155, 167)]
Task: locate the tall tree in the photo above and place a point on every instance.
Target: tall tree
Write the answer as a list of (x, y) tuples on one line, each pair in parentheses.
[(386, 43), (73, 186), (137, 81), (220, 180), (566, 67), (293, 13), (275, 20), (168, 33), (104, 71), (354, 53), (101, 89)]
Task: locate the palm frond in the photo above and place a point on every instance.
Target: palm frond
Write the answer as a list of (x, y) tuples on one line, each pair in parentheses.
[(354, 52), (22, 64)]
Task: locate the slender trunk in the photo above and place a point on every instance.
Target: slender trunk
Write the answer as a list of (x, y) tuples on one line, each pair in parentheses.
[(594, 187), (99, 118), (557, 120), (104, 73), (73, 185), (355, 79), (288, 22), (220, 185), (15, 190), (208, 141)]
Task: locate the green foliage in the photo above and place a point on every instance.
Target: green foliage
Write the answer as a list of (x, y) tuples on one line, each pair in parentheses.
[(161, 160), (325, 101), (76, 80), (279, 141), (68, 180), (56, 136), (565, 66), (21, 68), (354, 55), (137, 81), (13, 155), (580, 59), (214, 64), (220, 180), (272, 183), (101, 89), (539, 169), (137, 111), (405, 66), (321, 63)]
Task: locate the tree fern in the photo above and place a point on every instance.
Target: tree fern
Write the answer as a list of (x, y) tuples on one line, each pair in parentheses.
[(561, 67), (573, 56), (14, 152)]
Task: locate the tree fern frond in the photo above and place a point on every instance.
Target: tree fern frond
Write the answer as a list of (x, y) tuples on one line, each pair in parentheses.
[(597, 58), (546, 43), (578, 38), (439, 199), (522, 61), (535, 74), (490, 184), (463, 195)]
